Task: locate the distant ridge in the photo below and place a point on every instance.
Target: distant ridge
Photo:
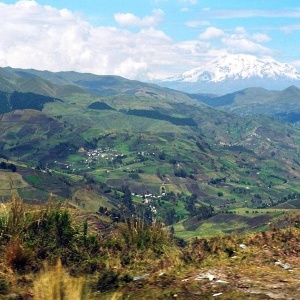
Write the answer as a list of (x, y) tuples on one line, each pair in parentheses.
[(282, 105)]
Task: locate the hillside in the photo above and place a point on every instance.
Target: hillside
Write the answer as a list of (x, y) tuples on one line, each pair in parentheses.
[(55, 252), (194, 162), (281, 105)]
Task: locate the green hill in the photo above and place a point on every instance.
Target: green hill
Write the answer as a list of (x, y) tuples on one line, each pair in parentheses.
[(281, 105), (105, 133)]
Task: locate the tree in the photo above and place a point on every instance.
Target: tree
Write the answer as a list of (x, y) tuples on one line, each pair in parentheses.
[(204, 212), (127, 200)]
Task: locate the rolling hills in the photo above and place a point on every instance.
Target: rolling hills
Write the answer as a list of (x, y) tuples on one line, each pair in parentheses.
[(96, 136), (281, 105)]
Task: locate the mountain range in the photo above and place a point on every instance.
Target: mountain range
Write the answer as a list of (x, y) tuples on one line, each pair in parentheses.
[(234, 72), (85, 137), (118, 159)]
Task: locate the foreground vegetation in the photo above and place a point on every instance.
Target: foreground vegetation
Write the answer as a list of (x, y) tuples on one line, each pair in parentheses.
[(135, 210), (55, 252)]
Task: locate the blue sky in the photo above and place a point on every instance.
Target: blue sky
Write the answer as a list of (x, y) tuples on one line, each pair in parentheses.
[(148, 39)]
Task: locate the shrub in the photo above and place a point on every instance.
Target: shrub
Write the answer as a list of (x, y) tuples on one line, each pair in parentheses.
[(4, 287), (17, 257), (111, 280), (108, 280), (137, 234)]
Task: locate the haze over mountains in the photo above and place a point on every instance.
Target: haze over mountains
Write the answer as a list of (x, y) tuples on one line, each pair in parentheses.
[(234, 72)]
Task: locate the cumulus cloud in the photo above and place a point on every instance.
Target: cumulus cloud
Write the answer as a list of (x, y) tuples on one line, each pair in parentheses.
[(242, 42), (245, 46), (211, 33), (45, 38), (128, 19), (238, 41)]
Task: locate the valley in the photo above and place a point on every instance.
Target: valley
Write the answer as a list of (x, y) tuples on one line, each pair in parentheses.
[(87, 139)]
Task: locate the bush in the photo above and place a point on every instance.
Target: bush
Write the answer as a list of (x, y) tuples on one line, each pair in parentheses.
[(17, 257), (111, 280), (4, 287), (108, 280)]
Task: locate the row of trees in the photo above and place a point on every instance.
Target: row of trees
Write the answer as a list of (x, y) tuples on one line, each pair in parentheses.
[(6, 166)]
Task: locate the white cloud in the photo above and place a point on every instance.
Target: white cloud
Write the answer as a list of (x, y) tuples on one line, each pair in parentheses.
[(239, 41), (296, 64), (211, 33), (245, 46), (254, 13), (290, 28), (240, 30), (193, 2), (42, 37), (261, 38), (134, 68), (45, 38), (197, 23), (128, 19)]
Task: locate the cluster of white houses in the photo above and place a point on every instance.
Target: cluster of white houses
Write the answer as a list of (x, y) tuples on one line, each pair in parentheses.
[(148, 199), (106, 153)]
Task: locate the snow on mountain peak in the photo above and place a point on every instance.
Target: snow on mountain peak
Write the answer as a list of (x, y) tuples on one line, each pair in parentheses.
[(237, 67)]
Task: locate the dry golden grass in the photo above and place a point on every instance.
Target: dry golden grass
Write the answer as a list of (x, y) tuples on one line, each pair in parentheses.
[(54, 283), (135, 248)]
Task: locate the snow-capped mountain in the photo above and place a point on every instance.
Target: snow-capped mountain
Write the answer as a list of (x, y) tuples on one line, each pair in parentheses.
[(232, 72)]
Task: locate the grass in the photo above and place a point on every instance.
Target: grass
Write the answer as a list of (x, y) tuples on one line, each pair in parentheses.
[(109, 267), (34, 179), (54, 283), (179, 144), (225, 224), (11, 181), (228, 164), (245, 211), (180, 210), (137, 199), (89, 200)]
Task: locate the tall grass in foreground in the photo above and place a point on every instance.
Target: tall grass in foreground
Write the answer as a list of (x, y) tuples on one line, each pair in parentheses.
[(141, 246), (12, 217), (137, 234), (56, 284)]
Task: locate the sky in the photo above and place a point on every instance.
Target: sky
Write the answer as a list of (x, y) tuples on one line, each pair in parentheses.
[(144, 39)]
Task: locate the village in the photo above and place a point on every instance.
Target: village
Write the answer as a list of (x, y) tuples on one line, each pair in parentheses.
[(102, 157)]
